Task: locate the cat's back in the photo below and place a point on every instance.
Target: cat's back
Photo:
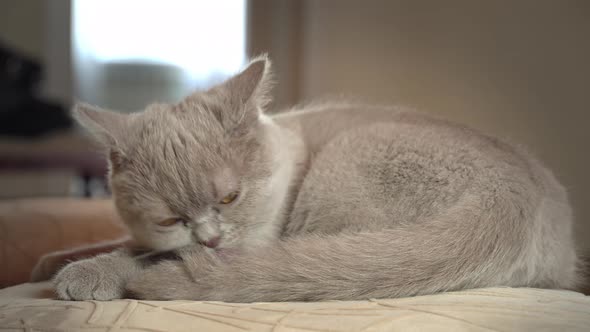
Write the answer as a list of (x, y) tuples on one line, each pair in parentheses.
[(396, 160), (396, 127), (372, 168)]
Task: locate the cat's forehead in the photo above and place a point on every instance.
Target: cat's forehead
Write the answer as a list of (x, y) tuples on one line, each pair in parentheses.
[(165, 137), (186, 144), (179, 125)]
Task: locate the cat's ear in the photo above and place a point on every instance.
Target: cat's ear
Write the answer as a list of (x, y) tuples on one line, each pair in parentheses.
[(252, 85), (107, 128)]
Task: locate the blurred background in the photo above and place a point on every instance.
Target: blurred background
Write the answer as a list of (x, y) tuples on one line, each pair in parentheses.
[(517, 69)]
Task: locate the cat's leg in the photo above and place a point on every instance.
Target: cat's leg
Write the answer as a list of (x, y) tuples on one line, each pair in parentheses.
[(104, 277), (49, 264)]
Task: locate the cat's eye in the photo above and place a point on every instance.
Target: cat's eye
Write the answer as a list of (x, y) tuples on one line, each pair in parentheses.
[(170, 222), (229, 198)]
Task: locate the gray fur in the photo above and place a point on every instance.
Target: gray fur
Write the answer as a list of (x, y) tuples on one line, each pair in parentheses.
[(337, 201)]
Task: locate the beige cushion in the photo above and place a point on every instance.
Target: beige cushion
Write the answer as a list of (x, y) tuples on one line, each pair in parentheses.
[(28, 307)]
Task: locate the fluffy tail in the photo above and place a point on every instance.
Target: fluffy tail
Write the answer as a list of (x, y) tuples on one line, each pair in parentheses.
[(367, 265), (462, 250)]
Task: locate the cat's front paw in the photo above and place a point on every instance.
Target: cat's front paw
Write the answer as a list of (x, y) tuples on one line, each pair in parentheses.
[(101, 278)]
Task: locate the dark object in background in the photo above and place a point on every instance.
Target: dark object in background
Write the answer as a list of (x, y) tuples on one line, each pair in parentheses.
[(22, 112)]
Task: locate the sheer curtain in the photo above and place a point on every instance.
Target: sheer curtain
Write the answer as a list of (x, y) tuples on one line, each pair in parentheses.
[(129, 53)]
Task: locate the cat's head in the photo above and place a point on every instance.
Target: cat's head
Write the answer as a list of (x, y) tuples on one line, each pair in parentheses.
[(193, 171)]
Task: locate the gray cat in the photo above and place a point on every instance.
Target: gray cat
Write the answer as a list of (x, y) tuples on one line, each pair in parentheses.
[(332, 201)]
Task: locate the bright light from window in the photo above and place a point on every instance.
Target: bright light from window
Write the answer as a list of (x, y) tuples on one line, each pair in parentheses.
[(201, 37)]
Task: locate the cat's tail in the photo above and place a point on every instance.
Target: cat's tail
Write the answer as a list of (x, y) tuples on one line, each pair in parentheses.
[(424, 259), (458, 252), (391, 263)]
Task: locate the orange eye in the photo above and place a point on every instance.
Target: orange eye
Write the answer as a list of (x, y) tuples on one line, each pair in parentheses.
[(170, 222), (229, 198)]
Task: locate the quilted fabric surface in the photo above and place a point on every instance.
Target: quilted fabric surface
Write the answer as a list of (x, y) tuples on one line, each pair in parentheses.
[(29, 307)]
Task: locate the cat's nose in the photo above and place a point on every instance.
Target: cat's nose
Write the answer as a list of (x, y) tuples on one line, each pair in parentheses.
[(212, 242)]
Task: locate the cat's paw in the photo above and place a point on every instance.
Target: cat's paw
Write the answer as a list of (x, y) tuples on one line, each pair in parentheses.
[(101, 278)]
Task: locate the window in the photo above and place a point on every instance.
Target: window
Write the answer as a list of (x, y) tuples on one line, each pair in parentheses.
[(128, 52)]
